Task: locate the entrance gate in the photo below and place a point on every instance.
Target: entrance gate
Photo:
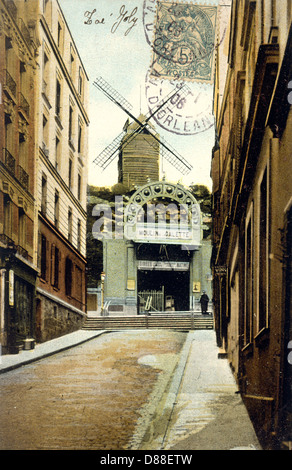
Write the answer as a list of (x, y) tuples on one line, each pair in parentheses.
[(151, 300)]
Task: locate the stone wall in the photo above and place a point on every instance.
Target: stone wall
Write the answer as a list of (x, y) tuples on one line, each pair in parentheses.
[(55, 319)]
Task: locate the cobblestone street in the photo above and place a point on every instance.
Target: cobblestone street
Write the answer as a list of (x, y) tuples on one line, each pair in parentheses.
[(98, 395)]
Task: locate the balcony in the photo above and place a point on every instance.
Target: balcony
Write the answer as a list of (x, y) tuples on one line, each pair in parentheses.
[(10, 85), (9, 162), (9, 244), (7, 241), (23, 105), (23, 178)]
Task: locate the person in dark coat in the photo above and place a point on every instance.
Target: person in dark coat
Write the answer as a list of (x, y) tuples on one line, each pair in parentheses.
[(204, 302)]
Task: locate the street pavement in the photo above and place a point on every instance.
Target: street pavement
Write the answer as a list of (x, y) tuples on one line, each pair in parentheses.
[(201, 408)]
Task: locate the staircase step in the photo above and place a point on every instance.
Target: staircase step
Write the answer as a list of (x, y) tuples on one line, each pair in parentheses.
[(174, 321)]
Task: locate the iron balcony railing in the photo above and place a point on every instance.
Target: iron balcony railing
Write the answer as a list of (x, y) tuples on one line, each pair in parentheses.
[(10, 83), (9, 161), (23, 177), (24, 104)]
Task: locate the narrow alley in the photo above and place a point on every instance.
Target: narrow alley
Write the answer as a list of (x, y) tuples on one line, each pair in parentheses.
[(134, 390)]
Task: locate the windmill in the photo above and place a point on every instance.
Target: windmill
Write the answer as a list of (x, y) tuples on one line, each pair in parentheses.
[(108, 155)]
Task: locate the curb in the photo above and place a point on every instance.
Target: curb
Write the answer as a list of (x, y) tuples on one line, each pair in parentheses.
[(163, 412), (18, 361)]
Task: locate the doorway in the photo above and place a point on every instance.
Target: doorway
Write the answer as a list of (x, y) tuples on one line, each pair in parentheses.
[(173, 284)]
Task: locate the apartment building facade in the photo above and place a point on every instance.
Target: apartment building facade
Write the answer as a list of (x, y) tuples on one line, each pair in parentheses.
[(252, 197), (61, 190), (43, 174), (18, 264)]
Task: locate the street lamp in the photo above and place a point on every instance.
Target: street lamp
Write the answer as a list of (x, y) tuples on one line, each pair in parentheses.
[(102, 277)]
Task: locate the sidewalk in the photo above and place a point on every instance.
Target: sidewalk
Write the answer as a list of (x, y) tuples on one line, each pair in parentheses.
[(202, 409), (12, 361)]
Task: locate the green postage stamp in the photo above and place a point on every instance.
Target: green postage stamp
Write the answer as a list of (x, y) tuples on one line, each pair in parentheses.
[(184, 41)]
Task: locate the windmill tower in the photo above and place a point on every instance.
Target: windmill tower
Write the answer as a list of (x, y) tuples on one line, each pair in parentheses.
[(139, 160)]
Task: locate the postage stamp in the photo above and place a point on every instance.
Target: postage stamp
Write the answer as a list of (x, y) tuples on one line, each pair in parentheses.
[(184, 41)]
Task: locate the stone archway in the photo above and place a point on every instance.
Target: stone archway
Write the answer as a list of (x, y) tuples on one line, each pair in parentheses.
[(171, 197), (159, 189)]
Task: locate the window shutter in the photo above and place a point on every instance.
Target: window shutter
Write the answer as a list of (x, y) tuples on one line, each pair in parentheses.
[(53, 247), (48, 261)]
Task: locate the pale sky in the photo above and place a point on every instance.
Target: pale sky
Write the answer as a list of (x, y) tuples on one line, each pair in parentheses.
[(124, 60)]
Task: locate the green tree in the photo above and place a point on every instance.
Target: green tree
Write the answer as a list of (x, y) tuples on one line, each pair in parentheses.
[(204, 199), (99, 195)]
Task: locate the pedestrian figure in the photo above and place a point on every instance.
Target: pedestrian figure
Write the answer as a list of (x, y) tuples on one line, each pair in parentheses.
[(204, 302)]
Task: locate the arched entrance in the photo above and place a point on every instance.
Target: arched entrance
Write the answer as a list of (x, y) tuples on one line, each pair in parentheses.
[(164, 221)]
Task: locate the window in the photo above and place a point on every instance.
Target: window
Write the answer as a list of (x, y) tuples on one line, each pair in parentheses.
[(46, 75), (72, 62), (58, 98), (80, 82), (59, 35), (79, 138), (45, 132), (56, 209), (7, 229), (79, 187), (21, 228), (57, 154), (55, 260), (70, 224), (79, 235), (68, 277), (70, 123), (79, 279), (22, 148), (44, 195), (43, 257), (24, 82), (70, 172), (263, 253)]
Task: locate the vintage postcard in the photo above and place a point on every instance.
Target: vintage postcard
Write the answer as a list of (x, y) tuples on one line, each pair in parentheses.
[(145, 227)]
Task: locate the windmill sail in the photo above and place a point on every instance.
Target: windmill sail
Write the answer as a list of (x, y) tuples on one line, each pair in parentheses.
[(106, 157), (113, 94)]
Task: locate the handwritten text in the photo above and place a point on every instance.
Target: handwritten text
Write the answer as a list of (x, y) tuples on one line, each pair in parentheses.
[(124, 17)]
